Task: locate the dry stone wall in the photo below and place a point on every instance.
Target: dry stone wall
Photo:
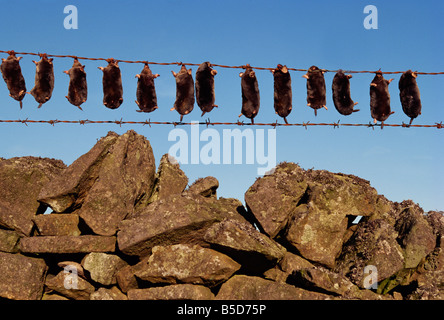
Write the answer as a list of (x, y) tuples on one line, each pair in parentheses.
[(121, 230)]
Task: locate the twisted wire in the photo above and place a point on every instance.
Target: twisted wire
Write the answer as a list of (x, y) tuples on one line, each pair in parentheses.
[(238, 123), (197, 64)]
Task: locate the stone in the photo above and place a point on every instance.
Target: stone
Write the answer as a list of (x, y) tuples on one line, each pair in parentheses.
[(177, 219), (21, 182), (53, 296), (241, 241), (172, 292), (435, 260), (242, 287), (318, 225), (229, 208), (292, 262), (68, 190), (289, 263), (67, 244), (384, 209), (427, 277), (374, 243), (275, 274), (183, 263), (57, 224), (349, 232), (126, 174), (430, 276), (346, 192), (108, 294), (206, 187), (397, 296), (317, 234), (170, 179), (436, 221), (326, 281), (126, 279), (273, 198), (415, 235), (430, 286), (295, 239), (73, 267), (104, 185), (70, 286), (9, 241), (311, 207), (103, 267), (21, 278)]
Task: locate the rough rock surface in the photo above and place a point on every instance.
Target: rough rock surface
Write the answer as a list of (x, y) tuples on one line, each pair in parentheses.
[(20, 184), (315, 233), (273, 198), (374, 243), (103, 267), (108, 294), (117, 173), (183, 263), (205, 187), (68, 244), (415, 235), (21, 278), (9, 241), (311, 208), (173, 292), (177, 219), (326, 281), (57, 224), (241, 241), (317, 227), (69, 190), (289, 264), (70, 286), (241, 287), (170, 179), (119, 231)]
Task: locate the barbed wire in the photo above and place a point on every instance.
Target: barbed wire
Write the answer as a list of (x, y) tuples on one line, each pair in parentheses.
[(197, 64), (238, 123)]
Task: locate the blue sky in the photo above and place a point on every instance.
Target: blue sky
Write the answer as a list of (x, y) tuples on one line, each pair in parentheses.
[(400, 163)]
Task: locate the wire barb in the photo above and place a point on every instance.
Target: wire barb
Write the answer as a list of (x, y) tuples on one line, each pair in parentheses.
[(336, 124)]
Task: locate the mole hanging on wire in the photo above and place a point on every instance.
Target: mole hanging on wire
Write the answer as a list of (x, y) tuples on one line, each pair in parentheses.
[(250, 93), (380, 98), (12, 74), (77, 89), (112, 84), (44, 80), (316, 98), (146, 91), (341, 94), (184, 103), (205, 87), (282, 91), (409, 95)]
